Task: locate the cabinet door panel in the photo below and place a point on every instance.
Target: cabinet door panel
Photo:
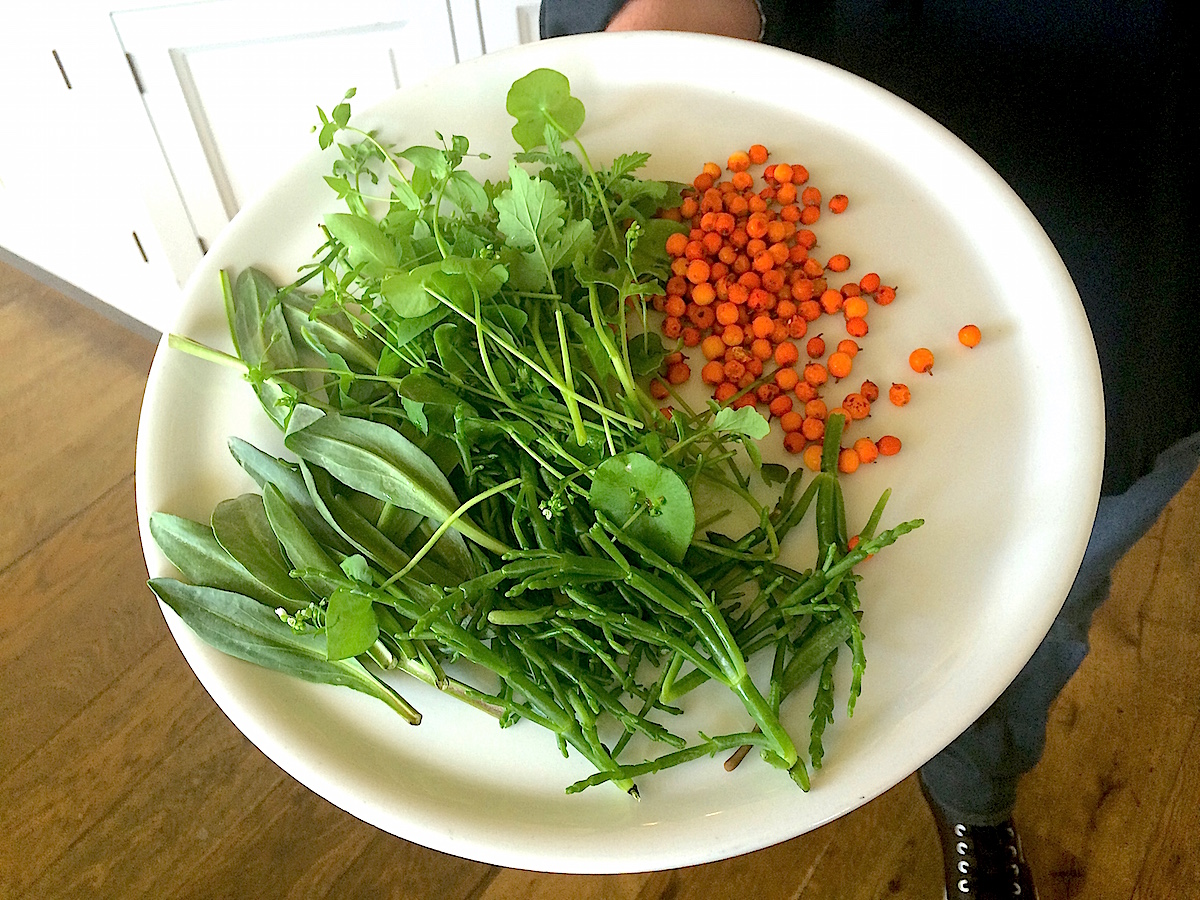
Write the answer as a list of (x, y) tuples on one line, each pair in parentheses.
[(232, 87)]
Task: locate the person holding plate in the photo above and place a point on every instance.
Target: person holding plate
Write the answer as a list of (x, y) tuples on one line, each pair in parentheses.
[(1083, 107)]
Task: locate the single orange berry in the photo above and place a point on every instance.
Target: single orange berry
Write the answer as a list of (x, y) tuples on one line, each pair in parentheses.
[(921, 360), (866, 450), (969, 335), (812, 457), (888, 445)]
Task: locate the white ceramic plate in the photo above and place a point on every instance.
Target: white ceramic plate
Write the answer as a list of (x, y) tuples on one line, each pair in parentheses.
[(952, 611)]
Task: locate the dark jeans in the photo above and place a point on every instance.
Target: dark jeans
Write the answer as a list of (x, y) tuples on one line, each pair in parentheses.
[(976, 777)]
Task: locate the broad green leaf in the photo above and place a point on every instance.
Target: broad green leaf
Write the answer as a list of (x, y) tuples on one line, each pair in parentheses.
[(430, 159), (376, 459), (303, 551), (541, 98), (193, 549), (532, 218), (286, 477), (350, 626), (262, 340), (453, 349), (244, 628), (241, 527), (530, 209), (465, 192), (646, 354), (423, 388), (365, 244), (379, 540), (331, 330), (411, 329), (407, 292), (648, 500)]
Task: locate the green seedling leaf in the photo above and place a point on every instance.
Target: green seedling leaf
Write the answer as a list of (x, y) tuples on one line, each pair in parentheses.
[(650, 501), (543, 98), (745, 421), (350, 625)]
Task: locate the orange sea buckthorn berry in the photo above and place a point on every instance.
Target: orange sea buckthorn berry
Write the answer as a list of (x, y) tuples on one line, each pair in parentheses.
[(787, 379), (780, 405), (839, 262), (869, 283), (857, 405), (888, 445), (870, 390), (725, 391), (899, 394), (812, 457), (805, 391), (712, 347), (786, 354), (739, 161), (855, 308), (840, 364), (969, 335), (698, 271), (791, 421), (921, 360), (847, 460), (713, 372), (757, 154), (866, 450), (838, 203), (794, 442), (678, 373)]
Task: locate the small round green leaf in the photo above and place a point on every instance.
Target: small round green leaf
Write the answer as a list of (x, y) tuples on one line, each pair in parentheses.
[(648, 500)]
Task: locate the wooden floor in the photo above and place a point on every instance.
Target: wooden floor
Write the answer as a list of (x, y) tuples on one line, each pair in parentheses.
[(119, 778)]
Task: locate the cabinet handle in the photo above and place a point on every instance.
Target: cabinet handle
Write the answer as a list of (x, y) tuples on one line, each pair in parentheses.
[(61, 70), (137, 79)]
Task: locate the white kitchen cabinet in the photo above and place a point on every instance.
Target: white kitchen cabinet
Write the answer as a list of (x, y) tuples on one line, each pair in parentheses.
[(70, 141), (148, 126)]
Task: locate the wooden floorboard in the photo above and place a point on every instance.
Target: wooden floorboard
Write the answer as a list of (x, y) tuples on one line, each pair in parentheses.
[(119, 777)]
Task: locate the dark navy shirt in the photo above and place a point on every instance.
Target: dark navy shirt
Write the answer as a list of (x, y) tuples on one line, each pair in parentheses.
[(1084, 107)]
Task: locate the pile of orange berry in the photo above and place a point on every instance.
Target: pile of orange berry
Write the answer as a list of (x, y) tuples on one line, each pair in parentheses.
[(764, 310)]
